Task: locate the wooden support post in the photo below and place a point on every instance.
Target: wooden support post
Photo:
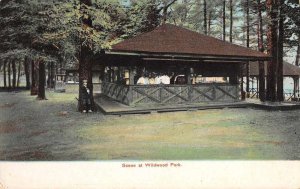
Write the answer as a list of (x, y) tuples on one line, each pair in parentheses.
[(252, 83), (131, 75), (243, 95), (113, 75), (233, 78), (188, 76), (296, 86), (109, 74), (257, 87), (102, 76), (262, 94), (118, 75), (247, 79), (214, 92)]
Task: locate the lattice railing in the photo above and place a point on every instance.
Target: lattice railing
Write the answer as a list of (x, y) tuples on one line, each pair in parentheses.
[(171, 94), (116, 92)]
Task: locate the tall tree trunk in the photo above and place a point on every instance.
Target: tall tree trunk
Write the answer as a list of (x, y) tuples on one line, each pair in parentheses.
[(51, 70), (272, 49), (296, 79), (247, 24), (19, 73), (165, 15), (224, 20), (52, 75), (85, 73), (33, 90), (298, 53), (4, 74), (280, 95), (205, 16), (248, 45), (85, 67), (27, 73), (49, 74), (262, 93), (42, 74), (9, 74), (209, 21), (231, 21), (14, 70)]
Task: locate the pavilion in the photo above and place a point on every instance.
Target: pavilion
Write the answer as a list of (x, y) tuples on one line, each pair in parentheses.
[(289, 70), (173, 50)]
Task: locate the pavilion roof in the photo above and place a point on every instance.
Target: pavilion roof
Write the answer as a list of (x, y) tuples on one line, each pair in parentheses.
[(289, 70), (171, 39)]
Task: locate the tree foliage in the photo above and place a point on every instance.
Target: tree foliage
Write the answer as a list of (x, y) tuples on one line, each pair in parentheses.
[(56, 31)]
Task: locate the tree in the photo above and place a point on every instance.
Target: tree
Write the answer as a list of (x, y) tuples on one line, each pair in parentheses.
[(291, 10), (262, 94), (297, 61), (9, 75), (224, 20), (165, 7), (26, 70), (4, 73), (144, 16), (280, 95), (84, 28), (14, 73), (23, 24), (205, 16), (272, 9), (33, 89), (248, 45), (41, 87), (231, 21)]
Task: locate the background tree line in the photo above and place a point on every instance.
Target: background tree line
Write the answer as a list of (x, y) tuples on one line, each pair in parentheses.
[(50, 35)]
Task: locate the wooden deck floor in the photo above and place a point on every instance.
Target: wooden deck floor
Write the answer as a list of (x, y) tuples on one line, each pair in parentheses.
[(111, 107)]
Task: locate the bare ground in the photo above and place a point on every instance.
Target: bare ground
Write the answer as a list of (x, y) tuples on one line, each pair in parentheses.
[(52, 130)]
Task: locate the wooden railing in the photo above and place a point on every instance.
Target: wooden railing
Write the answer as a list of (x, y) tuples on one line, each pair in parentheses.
[(288, 96), (171, 94), (117, 92)]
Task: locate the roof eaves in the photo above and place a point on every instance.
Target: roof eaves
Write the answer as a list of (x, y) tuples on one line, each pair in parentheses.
[(182, 55)]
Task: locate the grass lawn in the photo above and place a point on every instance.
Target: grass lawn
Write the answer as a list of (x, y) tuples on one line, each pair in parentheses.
[(53, 130), (211, 134)]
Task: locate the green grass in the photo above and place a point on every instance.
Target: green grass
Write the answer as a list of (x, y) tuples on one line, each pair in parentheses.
[(212, 134), (37, 130)]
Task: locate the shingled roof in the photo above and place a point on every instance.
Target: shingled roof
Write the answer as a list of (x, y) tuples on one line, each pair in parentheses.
[(170, 39), (289, 70)]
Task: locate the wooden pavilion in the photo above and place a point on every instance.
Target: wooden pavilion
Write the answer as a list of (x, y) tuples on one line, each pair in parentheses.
[(289, 70), (173, 50)]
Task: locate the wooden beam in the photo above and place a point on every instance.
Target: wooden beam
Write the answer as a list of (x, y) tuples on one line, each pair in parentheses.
[(296, 86), (132, 73), (188, 56)]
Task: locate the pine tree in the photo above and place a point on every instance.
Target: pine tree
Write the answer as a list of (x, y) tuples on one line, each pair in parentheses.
[(262, 94), (272, 8)]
